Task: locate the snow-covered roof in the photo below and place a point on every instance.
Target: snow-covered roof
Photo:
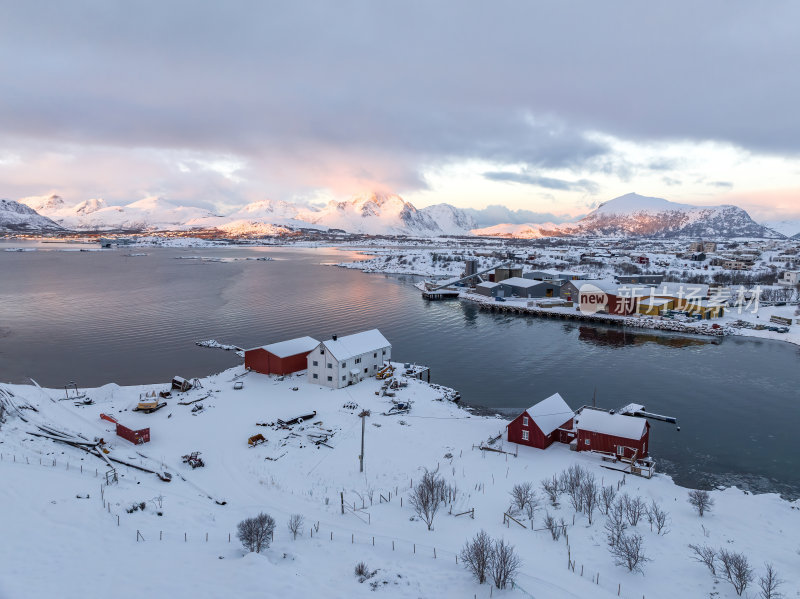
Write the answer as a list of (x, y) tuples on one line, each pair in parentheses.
[(292, 347), (604, 285), (520, 282), (350, 346), (650, 301), (550, 413), (487, 285), (616, 425)]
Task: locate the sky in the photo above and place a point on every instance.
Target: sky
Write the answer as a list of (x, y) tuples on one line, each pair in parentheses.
[(547, 108)]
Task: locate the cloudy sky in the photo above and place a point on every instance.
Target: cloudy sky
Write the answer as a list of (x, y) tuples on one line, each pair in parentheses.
[(548, 107)]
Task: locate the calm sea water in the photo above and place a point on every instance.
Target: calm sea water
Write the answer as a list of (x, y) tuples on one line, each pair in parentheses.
[(99, 317)]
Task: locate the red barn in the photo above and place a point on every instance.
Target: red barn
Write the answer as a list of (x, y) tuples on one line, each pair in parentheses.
[(280, 358), (612, 433), (539, 425)]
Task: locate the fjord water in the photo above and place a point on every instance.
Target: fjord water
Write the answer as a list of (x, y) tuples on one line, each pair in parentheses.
[(106, 316)]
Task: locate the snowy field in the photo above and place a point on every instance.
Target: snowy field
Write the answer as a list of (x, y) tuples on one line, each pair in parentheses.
[(67, 534)]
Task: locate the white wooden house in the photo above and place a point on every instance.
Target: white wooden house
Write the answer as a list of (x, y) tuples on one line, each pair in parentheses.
[(342, 361)]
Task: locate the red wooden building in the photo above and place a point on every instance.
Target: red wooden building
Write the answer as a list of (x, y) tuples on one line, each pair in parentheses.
[(615, 434), (603, 297), (539, 425), (280, 358)]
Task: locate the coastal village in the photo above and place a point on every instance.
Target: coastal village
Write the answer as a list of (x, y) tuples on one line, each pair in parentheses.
[(337, 435)]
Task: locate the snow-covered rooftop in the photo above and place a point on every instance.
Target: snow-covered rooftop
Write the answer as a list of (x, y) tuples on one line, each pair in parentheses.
[(520, 282), (487, 285), (350, 346), (550, 413), (291, 347), (606, 423)]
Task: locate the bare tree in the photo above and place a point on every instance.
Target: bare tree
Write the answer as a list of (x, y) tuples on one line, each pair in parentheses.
[(553, 526), (657, 517), (256, 533), (521, 495), (504, 564), (570, 482), (615, 523), (705, 555), (629, 552), (769, 583), (477, 555), (634, 507), (531, 507), (737, 569), (607, 495), (701, 501), (296, 525), (427, 496), (589, 496), (551, 489)]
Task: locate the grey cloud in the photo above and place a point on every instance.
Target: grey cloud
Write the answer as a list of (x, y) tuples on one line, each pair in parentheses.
[(721, 184), (315, 93), (671, 181), (546, 182)]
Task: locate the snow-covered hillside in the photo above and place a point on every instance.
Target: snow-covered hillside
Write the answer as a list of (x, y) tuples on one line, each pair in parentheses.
[(19, 218), (525, 231), (94, 543)]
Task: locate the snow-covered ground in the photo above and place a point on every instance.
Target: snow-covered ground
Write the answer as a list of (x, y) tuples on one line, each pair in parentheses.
[(63, 538)]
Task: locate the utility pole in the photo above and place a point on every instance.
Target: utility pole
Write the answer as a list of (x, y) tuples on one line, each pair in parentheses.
[(363, 415)]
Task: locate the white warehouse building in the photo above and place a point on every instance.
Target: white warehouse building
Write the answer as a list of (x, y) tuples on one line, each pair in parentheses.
[(343, 361)]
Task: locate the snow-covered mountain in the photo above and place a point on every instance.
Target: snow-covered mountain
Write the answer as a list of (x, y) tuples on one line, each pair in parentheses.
[(372, 213), (641, 216), (375, 214), (790, 228), (148, 214), (19, 218), (525, 231), (633, 215)]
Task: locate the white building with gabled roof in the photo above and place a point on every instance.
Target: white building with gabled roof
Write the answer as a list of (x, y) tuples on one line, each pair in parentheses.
[(342, 361)]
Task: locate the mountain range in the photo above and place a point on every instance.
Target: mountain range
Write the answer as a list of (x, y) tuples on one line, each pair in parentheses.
[(631, 215)]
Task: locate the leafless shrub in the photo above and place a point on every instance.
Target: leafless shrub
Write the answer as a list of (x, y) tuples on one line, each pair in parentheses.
[(589, 496), (634, 507), (532, 506), (427, 497), (701, 501), (628, 551), (737, 569), (256, 533), (615, 525), (705, 555), (769, 583), (657, 517), (296, 525), (361, 570), (551, 488), (476, 555), (554, 527), (606, 498), (504, 564)]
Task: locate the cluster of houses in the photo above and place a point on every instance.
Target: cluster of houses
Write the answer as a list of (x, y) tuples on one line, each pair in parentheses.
[(337, 362), (342, 361), (589, 429), (629, 295)]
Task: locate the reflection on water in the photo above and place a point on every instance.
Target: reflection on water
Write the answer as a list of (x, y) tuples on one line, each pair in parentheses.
[(97, 317), (620, 337)]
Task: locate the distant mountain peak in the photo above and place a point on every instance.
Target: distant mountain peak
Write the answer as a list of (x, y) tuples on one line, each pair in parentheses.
[(16, 217)]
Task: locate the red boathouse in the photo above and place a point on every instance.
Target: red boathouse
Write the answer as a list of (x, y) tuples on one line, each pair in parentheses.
[(285, 357), (617, 434), (539, 426)]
